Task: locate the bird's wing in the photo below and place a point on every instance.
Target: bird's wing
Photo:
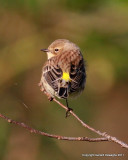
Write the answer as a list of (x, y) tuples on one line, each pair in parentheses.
[(52, 74), (78, 77)]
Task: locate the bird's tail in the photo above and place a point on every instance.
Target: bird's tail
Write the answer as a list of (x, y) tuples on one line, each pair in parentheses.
[(63, 92), (63, 89)]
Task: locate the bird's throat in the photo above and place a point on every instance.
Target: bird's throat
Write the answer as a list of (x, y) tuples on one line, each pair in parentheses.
[(50, 55)]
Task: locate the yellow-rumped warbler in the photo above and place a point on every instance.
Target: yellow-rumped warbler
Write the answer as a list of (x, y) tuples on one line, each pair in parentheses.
[(64, 72)]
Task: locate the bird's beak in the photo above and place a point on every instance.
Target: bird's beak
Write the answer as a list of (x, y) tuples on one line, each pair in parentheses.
[(45, 50)]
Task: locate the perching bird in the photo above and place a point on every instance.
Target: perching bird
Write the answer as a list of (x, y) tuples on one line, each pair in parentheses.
[(63, 73)]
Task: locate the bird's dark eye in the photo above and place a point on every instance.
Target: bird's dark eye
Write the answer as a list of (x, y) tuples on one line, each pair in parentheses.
[(56, 49)]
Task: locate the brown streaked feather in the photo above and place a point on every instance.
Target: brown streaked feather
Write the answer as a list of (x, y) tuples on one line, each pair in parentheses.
[(52, 74), (78, 76), (71, 62)]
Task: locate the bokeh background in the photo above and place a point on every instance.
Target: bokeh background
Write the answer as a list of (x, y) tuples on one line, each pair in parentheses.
[(100, 29)]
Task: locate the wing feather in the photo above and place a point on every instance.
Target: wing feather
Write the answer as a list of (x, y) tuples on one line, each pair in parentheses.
[(78, 77), (52, 75)]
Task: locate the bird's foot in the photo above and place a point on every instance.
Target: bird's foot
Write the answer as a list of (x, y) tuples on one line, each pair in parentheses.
[(68, 112), (40, 84), (43, 90), (50, 98)]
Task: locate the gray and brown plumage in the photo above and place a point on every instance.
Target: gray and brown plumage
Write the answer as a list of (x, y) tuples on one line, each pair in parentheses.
[(63, 73)]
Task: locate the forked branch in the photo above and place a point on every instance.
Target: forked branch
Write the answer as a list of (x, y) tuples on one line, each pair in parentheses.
[(105, 136), (32, 130)]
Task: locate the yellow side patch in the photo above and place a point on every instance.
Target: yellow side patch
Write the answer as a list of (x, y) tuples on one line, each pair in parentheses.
[(66, 76)]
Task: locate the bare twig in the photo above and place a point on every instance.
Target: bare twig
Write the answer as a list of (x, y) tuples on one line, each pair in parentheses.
[(103, 134), (32, 130)]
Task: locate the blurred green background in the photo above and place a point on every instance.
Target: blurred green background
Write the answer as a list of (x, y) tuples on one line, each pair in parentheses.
[(100, 29)]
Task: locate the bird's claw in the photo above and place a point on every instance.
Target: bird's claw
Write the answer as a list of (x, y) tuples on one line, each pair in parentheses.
[(68, 112), (40, 84), (50, 98)]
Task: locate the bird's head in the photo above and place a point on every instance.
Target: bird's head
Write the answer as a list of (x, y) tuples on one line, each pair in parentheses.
[(60, 46)]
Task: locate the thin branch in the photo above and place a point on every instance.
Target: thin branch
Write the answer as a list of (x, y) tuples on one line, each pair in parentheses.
[(32, 130), (106, 137), (103, 134)]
